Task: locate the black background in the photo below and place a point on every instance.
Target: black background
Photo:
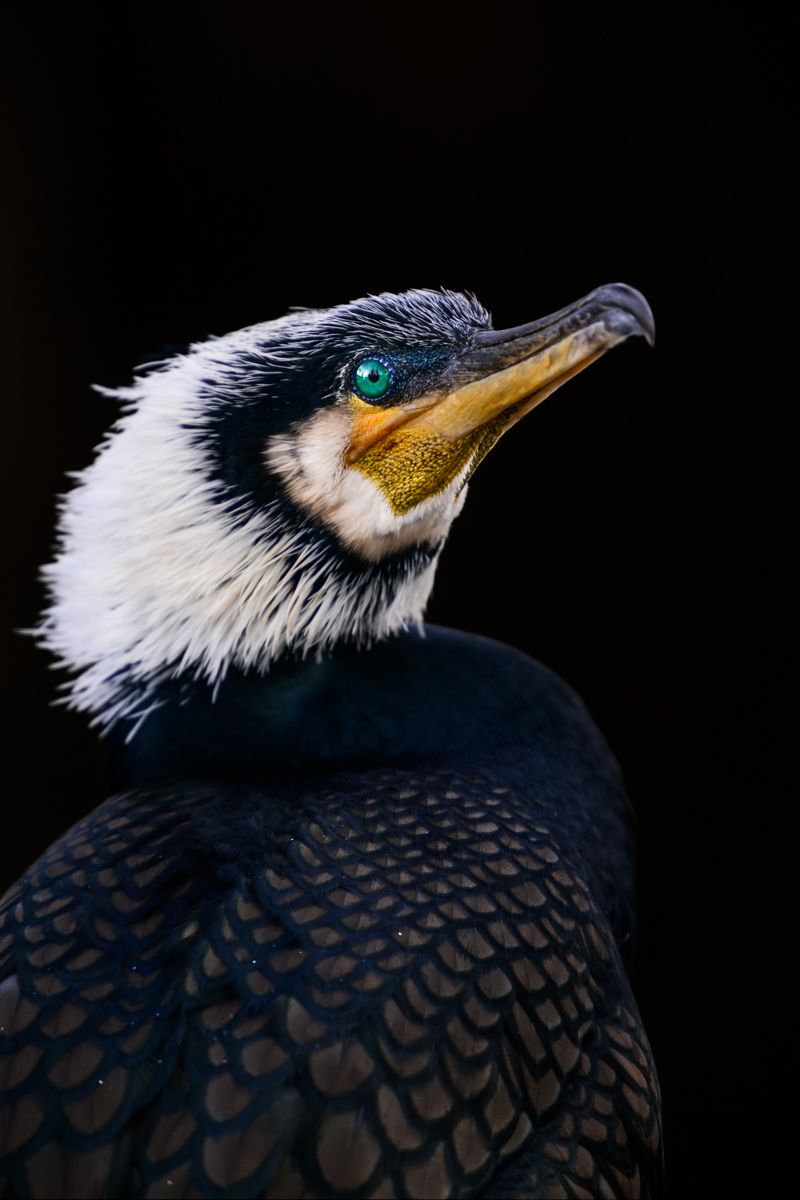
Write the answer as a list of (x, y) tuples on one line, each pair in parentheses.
[(172, 174)]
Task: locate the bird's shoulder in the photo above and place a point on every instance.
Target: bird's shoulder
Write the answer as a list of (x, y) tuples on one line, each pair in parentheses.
[(393, 979)]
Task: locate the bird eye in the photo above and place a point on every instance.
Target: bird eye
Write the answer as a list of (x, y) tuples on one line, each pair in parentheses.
[(373, 378)]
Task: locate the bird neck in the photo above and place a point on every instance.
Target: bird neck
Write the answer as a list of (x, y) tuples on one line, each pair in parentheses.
[(444, 703), (416, 699)]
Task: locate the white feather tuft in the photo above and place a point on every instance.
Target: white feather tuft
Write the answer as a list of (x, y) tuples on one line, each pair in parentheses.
[(155, 577)]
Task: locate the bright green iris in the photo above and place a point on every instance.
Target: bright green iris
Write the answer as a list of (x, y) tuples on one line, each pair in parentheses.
[(373, 378)]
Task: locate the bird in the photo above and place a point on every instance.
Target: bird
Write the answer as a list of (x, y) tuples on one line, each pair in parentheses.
[(356, 920)]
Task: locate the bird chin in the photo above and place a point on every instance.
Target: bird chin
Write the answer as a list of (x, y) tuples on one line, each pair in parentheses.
[(309, 461)]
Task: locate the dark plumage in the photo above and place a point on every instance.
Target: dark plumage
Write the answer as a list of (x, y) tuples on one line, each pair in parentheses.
[(356, 925)]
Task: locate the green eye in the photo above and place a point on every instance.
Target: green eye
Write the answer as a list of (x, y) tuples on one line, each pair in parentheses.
[(373, 378)]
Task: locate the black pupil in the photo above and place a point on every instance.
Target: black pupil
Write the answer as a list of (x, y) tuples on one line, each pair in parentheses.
[(374, 375)]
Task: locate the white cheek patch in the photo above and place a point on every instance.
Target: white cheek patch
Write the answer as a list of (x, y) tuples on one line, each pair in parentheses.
[(310, 460)]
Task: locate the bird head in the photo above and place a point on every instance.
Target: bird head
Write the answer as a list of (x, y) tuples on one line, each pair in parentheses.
[(291, 485)]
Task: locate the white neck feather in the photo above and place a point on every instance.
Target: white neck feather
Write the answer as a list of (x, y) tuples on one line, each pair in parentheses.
[(154, 577)]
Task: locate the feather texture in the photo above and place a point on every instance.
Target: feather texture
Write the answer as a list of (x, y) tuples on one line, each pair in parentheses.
[(403, 987)]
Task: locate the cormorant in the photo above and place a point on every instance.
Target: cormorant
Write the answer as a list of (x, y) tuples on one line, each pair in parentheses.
[(357, 922)]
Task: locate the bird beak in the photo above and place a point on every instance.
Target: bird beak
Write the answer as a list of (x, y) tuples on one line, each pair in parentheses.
[(506, 373)]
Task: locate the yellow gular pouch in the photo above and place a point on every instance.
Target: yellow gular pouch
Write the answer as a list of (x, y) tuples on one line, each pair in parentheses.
[(412, 463)]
